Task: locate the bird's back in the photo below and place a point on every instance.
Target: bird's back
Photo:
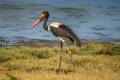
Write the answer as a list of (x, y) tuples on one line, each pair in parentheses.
[(58, 29), (61, 30)]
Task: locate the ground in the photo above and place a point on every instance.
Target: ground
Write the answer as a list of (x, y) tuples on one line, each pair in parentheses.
[(93, 61)]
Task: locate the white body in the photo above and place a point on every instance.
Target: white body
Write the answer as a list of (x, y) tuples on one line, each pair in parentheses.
[(55, 24)]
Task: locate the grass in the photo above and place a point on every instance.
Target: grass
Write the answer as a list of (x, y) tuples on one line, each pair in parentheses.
[(93, 61)]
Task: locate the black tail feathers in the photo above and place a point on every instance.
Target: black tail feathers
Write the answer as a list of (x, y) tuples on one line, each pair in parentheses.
[(77, 40)]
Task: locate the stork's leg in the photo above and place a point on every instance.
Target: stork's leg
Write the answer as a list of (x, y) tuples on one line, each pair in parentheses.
[(70, 57), (61, 46)]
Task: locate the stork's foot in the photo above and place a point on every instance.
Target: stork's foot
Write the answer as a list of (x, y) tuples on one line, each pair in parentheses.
[(57, 71), (65, 71), (73, 70)]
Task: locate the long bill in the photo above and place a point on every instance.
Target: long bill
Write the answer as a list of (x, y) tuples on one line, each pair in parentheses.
[(37, 22)]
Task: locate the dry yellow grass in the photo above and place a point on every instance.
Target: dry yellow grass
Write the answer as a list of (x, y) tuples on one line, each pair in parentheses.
[(92, 62)]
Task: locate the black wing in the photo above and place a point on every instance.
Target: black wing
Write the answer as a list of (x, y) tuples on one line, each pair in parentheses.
[(65, 32)]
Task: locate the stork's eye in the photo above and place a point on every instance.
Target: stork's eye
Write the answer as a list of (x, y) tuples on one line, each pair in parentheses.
[(43, 15)]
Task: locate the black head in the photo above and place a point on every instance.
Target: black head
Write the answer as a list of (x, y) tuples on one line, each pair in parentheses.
[(44, 14)]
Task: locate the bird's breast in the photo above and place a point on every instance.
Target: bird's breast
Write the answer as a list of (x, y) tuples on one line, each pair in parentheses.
[(55, 24)]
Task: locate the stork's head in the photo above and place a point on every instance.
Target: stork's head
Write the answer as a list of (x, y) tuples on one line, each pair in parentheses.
[(44, 15)]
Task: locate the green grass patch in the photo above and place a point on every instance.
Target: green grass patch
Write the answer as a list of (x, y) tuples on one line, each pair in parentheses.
[(93, 61)]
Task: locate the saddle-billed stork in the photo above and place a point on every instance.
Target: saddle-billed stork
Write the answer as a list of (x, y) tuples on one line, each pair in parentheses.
[(59, 30)]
